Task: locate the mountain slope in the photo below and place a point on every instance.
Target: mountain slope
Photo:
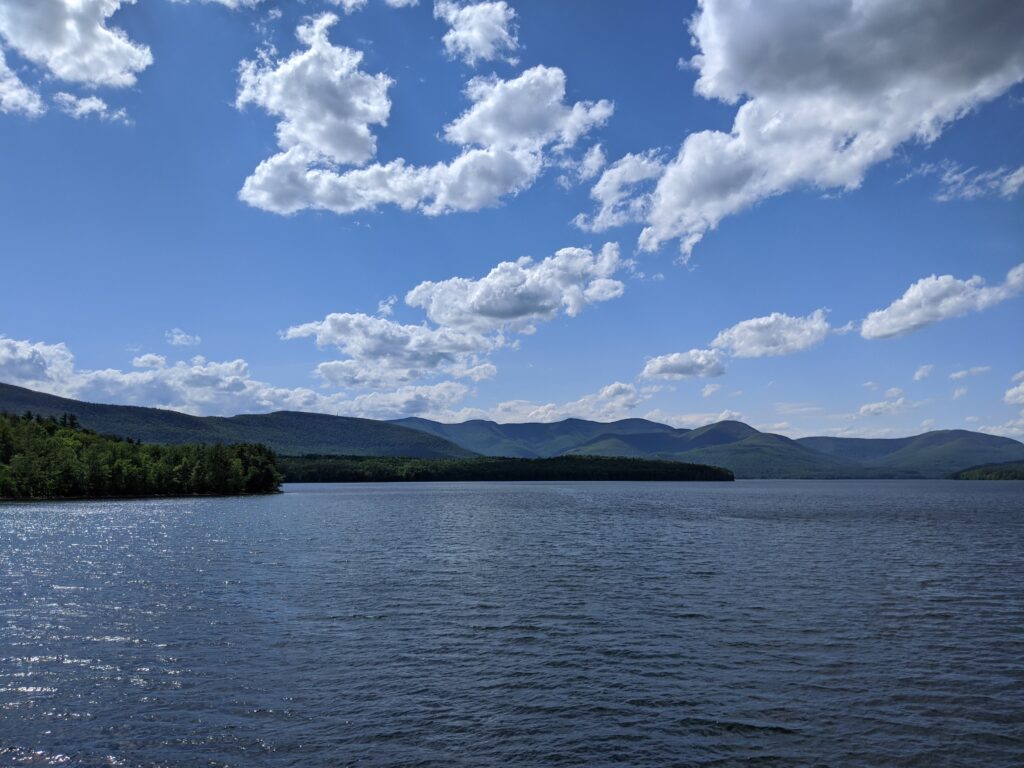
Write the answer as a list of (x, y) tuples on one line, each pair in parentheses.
[(731, 444), (286, 432), (530, 440), (735, 446), (933, 454)]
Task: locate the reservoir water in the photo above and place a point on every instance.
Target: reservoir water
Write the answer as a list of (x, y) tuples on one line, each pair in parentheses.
[(769, 623)]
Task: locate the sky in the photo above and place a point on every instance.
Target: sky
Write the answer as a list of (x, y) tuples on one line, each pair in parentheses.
[(805, 216)]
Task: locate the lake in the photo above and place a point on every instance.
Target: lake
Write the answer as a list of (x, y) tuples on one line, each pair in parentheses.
[(763, 623)]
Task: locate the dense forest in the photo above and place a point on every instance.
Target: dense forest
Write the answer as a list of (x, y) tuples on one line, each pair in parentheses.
[(1011, 470), (50, 458), (384, 469)]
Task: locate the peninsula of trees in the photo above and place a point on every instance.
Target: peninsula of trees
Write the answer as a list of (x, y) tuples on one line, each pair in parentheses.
[(50, 458)]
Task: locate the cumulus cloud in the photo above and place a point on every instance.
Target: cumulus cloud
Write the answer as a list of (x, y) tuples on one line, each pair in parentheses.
[(923, 372), (71, 39), (975, 371), (517, 294), (697, 363), (883, 407), (383, 353), (615, 401), (959, 392), (618, 195), (478, 31), (936, 298), (34, 364), (774, 334), (325, 102), (691, 420), (1015, 395), (710, 389), (471, 317), (178, 338), (825, 92), (206, 387), (1012, 428), (327, 105), (15, 96), (88, 106), (592, 163)]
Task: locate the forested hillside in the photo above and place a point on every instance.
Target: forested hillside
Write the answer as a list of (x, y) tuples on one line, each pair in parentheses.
[(50, 458)]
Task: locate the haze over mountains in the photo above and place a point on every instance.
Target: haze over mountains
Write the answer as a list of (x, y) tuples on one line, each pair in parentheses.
[(730, 444)]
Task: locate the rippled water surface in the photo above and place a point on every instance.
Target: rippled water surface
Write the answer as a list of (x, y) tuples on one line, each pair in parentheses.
[(763, 623)]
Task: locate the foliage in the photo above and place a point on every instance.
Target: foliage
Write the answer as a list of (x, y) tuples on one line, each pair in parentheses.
[(1010, 470), (363, 469), (50, 458)]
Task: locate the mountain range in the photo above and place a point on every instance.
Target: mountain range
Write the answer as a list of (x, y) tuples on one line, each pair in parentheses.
[(746, 451)]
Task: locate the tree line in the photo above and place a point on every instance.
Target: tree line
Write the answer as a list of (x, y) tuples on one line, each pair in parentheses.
[(50, 458), (388, 469)]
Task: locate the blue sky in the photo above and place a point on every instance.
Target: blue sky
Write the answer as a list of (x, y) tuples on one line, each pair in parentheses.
[(210, 209)]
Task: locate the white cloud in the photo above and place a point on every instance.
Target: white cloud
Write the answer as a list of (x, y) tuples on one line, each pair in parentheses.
[(691, 420), (825, 93), (936, 298), (959, 183), (519, 293), (402, 3), (774, 334), (883, 408), (702, 363), (178, 338), (383, 353), (478, 30), (350, 6), (592, 163), (1015, 395), (959, 392), (472, 318), (71, 39), (34, 364), (615, 401), (327, 105), (149, 360), (203, 387), (976, 371), (386, 307), (894, 392), (616, 192), (923, 372), (78, 108), (1012, 428), (15, 96), (710, 389)]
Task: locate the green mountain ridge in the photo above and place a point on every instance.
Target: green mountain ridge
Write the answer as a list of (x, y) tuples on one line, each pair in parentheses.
[(286, 432), (737, 447), (732, 445)]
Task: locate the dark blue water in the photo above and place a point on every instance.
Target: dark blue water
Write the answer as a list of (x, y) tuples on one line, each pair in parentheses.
[(761, 623)]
